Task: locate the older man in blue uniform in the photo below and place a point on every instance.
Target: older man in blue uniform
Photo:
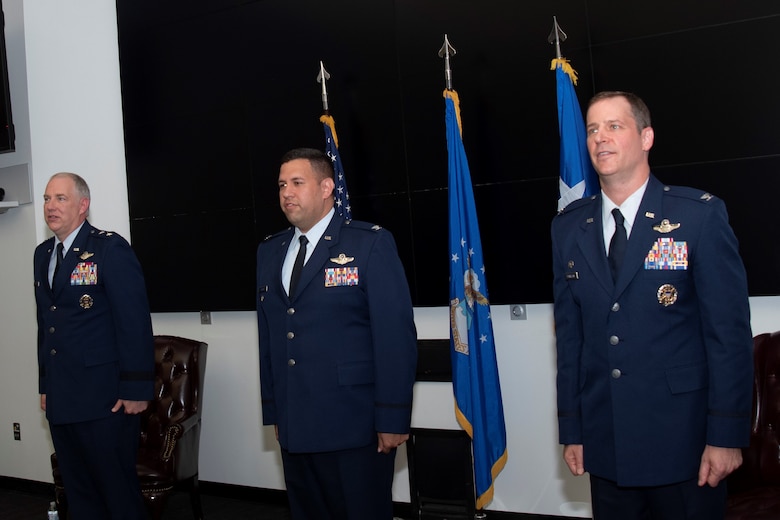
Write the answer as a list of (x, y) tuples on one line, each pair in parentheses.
[(95, 354), (653, 332), (337, 349)]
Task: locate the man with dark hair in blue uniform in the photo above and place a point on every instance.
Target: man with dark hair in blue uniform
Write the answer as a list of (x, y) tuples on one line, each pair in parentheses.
[(95, 354), (337, 349), (653, 332)]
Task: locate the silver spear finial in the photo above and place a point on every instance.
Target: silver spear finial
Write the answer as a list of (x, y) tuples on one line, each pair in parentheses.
[(557, 36), (445, 52), (321, 77)]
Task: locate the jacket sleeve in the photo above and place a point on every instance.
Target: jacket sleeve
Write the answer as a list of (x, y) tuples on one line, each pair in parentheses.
[(721, 287), (393, 334), (126, 293)]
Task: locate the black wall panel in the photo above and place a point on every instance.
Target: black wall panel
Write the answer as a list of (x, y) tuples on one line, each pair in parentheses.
[(215, 91)]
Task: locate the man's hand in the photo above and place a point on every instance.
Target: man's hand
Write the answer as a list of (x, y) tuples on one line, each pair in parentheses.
[(717, 463), (389, 441), (131, 407), (43, 402), (572, 455)]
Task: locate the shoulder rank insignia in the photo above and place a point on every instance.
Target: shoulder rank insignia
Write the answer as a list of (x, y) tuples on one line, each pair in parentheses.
[(706, 196), (665, 226), (342, 259), (376, 227), (86, 254)]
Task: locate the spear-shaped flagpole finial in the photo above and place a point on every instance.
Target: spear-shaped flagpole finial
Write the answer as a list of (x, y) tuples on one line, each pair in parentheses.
[(445, 52), (321, 77), (557, 36)]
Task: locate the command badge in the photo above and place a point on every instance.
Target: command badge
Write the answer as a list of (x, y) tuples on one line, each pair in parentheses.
[(86, 301), (667, 294)]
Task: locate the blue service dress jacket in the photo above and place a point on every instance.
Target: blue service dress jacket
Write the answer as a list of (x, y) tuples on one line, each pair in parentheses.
[(656, 365), (338, 358), (94, 330)]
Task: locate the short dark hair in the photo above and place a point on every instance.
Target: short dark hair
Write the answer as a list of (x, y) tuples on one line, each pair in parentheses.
[(318, 159), (638, 107)]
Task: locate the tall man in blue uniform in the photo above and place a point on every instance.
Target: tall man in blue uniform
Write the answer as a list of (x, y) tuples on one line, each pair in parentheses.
[(337, 350), (95, 354), (654, 343)]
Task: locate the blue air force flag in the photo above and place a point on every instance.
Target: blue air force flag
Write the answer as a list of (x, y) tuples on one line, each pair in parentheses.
[(578, 178), (478, 405)]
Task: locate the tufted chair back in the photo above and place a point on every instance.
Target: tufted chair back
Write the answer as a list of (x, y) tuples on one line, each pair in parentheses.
[(170, 427), (754, 489)]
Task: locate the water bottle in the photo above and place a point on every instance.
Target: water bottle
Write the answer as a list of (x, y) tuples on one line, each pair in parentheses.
[(53, 515)]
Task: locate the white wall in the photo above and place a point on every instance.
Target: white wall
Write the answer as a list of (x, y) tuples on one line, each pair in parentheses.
[(64, 73)]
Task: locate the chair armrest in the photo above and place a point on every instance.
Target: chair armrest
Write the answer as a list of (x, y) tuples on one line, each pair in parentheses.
[(174, 432)]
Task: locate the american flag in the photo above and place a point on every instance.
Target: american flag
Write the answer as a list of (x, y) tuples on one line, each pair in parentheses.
[(343, 207)]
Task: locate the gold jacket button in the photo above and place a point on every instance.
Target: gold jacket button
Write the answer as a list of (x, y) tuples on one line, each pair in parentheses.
[(290, 362), (290, 335), (616, 373), (290, 311), (614, 340)]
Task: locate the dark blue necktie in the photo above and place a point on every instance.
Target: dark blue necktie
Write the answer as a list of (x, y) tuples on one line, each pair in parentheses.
[(617, 246), (60, 247), (298, 265)]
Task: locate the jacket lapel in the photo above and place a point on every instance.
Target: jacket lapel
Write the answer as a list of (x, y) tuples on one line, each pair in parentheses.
[(591, 243), (642, 234), (320, 255), (71, 258)]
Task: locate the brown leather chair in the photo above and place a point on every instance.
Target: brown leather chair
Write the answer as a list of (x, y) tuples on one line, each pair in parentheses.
[(170, 427), (754, 489)]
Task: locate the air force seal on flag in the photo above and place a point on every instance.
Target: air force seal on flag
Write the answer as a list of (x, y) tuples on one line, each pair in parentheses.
[(462, 311)]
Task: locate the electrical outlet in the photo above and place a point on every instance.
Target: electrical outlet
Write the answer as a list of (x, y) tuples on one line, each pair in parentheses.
[(205, 317), (17, 431), (517, 312)]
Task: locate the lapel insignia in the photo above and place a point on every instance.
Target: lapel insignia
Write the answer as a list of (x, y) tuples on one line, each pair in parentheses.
[(76, 249), (649, 214), (665, 226), (570, 264), (342, 259), (589, 220), (85, 254), (327, 237)]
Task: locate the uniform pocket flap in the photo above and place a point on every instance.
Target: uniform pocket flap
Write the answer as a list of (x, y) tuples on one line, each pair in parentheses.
[(687, 379)]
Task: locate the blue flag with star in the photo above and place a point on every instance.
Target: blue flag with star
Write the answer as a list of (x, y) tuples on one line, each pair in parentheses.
[(578, 178), (343, 207), (478, 406)]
